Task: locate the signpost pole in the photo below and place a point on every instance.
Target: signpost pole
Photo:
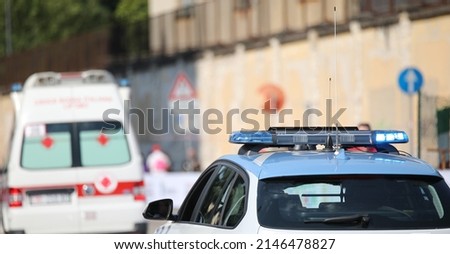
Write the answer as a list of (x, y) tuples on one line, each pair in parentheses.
[(411, 124), (410, 81), (419, 128)]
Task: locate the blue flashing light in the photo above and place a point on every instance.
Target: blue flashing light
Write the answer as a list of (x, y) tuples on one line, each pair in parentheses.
[(16, 87), (291, 138), (387, 137), (124, 83), (251, 137)]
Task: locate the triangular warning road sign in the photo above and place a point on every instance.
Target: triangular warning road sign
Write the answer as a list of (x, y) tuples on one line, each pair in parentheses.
[(182, 89)]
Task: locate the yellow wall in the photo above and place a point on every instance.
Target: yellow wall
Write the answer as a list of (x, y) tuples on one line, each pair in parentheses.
[(368, 64), (6, 123), (158, 7)]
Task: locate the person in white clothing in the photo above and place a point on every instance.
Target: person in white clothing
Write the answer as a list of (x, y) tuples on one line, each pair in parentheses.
[(157, 160)]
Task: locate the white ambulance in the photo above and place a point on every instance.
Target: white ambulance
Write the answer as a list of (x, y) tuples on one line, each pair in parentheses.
[(74, 165)]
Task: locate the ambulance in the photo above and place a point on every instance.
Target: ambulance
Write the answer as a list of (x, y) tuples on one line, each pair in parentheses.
[(74, 165)]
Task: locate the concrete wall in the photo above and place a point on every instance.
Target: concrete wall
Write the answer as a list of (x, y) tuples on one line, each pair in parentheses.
[(151, 88), (158, 7), (363, 81), (6, 125), (363, 65)]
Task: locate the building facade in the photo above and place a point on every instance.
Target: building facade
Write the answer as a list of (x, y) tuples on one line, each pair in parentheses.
[(250, 64), (248, 52)]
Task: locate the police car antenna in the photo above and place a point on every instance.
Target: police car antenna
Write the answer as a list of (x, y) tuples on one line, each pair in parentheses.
[(329, 140), (335, 71)]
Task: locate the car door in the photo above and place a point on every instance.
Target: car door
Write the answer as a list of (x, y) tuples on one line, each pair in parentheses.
[(216, 203)]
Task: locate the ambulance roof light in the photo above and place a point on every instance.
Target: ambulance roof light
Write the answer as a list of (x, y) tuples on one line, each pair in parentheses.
[(16, 87), (44, 79), (124, 82)]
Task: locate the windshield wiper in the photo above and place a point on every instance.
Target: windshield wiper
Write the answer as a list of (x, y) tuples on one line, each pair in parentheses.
[(362, 219)]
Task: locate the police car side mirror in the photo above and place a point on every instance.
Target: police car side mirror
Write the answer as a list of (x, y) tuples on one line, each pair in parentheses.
[(159, 210)]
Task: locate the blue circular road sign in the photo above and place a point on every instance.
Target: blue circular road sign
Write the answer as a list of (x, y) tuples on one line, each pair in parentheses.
[(410, 80)]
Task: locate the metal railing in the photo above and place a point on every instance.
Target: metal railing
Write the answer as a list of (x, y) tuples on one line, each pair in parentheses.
[(84, 51)]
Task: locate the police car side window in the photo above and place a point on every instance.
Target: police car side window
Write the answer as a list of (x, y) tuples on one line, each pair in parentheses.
[(187, 208), (223, 201), (211, 205), (235, 206)]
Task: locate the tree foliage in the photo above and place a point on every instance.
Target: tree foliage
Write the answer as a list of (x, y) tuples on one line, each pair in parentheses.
[(132, 20), (131, 11), (35, 22)]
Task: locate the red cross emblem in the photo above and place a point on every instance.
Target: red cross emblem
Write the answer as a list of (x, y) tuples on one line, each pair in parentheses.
[(47, 142), (102, 139), (106, 182)]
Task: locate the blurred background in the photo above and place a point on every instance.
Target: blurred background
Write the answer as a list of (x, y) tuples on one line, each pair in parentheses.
[(388, 65)]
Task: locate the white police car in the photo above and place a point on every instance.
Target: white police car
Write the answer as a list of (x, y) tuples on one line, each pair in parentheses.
[(316, 180)]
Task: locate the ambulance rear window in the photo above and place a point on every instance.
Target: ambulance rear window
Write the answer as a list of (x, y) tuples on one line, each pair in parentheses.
[(66, 145), (103, 144), (47, 146)]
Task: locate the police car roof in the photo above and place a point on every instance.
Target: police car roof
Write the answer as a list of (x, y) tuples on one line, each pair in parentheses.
[(308, 163)]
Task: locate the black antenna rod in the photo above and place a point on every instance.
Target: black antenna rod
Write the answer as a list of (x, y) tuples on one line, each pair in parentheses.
[(335, 70)]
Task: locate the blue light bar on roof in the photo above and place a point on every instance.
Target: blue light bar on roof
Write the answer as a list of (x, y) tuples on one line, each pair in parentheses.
[(301, 137), (251, 137), (383, 137)]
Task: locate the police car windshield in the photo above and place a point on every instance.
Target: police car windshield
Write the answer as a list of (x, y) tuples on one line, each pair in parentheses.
[(384, 202)]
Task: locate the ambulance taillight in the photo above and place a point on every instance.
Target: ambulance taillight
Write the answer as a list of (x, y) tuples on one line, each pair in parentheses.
[(139, 191), (15, 197)]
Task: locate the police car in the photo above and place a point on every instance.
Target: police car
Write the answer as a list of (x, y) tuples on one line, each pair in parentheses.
[(306, 180)]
